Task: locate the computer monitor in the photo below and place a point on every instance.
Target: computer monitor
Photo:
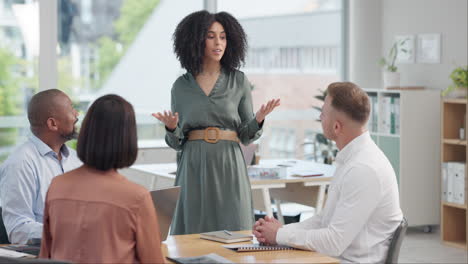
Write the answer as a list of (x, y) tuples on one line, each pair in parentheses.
[(165, 202)]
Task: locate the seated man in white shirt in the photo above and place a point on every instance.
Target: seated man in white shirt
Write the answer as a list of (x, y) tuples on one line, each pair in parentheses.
[(363, 208), (27, 173)]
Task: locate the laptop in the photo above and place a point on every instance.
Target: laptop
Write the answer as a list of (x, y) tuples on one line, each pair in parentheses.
[(165, 201)]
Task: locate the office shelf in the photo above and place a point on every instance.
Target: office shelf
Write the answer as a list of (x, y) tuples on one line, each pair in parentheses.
[(460, 206), (455, 101), (455, 142), (454, 222), (458, 244), (405, 124)]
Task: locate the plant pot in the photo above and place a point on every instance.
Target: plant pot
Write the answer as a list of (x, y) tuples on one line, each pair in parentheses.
[(459, 92), (391, 79)]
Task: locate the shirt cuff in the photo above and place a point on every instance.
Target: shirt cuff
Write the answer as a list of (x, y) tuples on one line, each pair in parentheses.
[(282, 236), (261, 124), (254, 126), (171, 131)]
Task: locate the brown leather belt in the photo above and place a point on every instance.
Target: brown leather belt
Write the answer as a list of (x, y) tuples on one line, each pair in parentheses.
[(213, 135)]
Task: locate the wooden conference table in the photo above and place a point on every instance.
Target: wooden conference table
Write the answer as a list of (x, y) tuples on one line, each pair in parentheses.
[(308, 191), (192, 245)]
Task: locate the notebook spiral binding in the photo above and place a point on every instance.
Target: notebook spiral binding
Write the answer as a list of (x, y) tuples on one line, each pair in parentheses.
[(265, 248)]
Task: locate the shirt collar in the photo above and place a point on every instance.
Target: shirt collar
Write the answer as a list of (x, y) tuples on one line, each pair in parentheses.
[(352, 147), (44, 149)]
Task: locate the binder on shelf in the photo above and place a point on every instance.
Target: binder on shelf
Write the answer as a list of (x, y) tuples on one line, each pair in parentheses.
[(455, 182), (373, 120), (397, 115), (450, 182), (370, 123), (375, 114), (459, 183), (392, 115), (385, 115), (444, 182)]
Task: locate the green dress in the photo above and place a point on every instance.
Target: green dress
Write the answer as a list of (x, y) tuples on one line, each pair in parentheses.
[(215, 188)]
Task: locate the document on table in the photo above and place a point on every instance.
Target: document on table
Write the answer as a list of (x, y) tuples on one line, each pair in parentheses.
[(306, 173), (210, 258), (13, 254)]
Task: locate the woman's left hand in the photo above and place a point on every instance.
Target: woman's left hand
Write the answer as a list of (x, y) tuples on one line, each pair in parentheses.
[(266, 109)]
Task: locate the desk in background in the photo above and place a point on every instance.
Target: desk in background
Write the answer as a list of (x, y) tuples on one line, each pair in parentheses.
[(308, 191), (154, 151), (192, 245)]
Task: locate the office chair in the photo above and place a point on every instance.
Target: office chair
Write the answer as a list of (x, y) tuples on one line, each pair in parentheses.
[(395, 244), (3, 233), (31, 261)]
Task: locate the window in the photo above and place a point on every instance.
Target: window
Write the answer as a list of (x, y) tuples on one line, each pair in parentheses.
[(295, 63), (122, 47), (19, 46), (125, 47)]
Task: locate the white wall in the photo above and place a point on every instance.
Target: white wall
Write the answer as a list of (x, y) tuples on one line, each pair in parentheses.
[(294, 30), (447, 17), (401, 17), (365, 42)]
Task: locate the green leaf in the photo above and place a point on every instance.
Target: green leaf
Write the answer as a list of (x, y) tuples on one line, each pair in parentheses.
[(320, 97), (382, 62), (133, 16), (317, 108)]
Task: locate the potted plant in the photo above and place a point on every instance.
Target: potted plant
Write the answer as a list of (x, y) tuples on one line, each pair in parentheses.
[(321, 145), (391, 78), (459, 86)]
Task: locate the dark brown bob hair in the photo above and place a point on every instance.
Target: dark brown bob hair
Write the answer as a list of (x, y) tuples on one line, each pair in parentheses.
[(108, 135)]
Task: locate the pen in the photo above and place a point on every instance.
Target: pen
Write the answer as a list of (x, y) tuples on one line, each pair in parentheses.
[(227, 232)]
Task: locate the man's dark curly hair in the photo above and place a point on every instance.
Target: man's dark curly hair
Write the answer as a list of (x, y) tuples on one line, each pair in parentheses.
[(190, 35)]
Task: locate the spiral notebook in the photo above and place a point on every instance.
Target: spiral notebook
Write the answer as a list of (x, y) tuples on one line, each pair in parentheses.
[(306, 173), (256, 247), (226, 236), (210, 258)]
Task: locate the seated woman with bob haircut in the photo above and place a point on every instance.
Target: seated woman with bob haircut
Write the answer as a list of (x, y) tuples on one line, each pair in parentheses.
[(93, 214)]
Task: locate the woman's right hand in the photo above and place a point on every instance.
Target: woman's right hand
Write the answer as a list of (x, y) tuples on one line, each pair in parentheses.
[(169, 119)]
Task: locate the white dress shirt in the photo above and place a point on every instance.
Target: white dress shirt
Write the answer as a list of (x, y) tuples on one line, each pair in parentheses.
[(24, 180), (362, 209)]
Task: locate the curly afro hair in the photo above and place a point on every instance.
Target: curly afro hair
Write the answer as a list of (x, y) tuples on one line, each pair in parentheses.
[(190, 35)]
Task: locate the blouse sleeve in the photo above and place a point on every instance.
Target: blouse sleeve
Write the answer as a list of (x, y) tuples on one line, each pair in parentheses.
[(175, 138), (249, 130)]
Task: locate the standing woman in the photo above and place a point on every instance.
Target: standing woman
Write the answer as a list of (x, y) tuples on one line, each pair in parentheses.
[(211, 113)]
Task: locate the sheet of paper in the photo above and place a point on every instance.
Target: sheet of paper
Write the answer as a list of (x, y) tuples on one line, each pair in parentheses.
[(12, 254)]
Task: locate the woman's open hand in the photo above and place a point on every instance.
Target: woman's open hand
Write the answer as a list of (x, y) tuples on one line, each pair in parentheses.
[(266, 109), (170, 120)]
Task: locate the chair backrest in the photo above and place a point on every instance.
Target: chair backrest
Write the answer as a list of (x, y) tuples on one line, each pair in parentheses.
[(3, 233), (395, 244)]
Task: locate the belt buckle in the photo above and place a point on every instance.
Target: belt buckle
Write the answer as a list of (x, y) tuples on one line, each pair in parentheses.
[(211, 140)]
